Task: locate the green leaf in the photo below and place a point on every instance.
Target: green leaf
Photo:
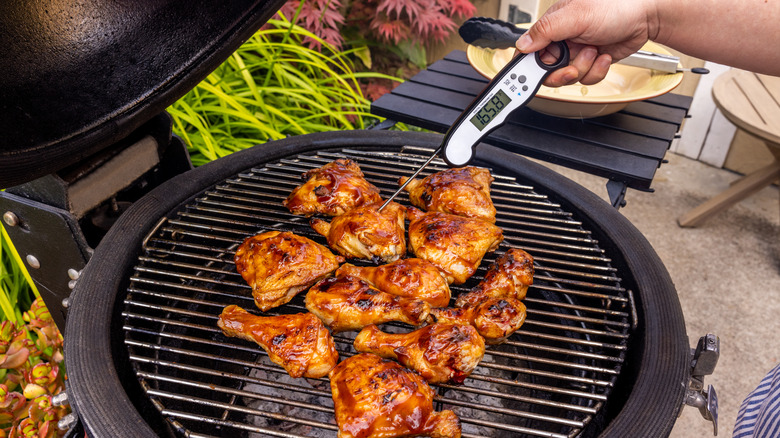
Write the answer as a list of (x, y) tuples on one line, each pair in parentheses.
[(414, 52), (364, 55)]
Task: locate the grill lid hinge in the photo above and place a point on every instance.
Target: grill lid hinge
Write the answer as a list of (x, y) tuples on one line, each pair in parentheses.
[(704, 358)]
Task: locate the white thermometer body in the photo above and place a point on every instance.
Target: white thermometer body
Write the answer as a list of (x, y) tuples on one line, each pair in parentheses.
[(510, 89)]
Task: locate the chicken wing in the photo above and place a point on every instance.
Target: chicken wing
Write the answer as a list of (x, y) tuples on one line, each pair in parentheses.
[(378, 398), (455, 244), (332, 189), (509, 276), (411, 278), (463, 191), (495, 318), (439, 352), (366, 233), (349, 303), (278, 265), (299, 343)]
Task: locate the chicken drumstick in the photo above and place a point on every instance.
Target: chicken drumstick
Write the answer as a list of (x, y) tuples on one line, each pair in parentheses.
[(299, 343), (439, 352)]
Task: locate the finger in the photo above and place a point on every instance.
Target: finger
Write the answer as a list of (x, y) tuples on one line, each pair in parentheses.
[(598, 70), (583, 60), (562, 76), (550, 27)]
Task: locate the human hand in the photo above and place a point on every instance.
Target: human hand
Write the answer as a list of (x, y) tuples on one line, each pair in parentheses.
[(597, 32)]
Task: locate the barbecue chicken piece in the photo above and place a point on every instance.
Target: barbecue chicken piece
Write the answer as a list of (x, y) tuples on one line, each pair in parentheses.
[(455, 244), (439, 352), (366, 233), (495, 318), (349, 303), (463, 191), (378, 398), (299, 343), (278, 265), (411, 278), (332, 189), (509, 276)]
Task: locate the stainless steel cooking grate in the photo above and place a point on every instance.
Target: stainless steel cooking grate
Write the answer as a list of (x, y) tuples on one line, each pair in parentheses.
[(550, 379)]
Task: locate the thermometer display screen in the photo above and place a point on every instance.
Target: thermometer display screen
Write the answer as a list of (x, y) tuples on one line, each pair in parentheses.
[(487, 113)]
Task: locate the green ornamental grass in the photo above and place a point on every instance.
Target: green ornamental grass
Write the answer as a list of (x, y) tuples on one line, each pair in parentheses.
[(270, 88)]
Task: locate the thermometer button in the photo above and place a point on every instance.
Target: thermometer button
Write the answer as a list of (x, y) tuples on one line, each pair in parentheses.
[(521, 79)]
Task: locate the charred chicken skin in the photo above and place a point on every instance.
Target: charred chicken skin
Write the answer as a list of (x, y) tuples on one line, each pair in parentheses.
[(299, 343), (278, 265), (332, 189), (439, 352), (509, 276), (366, 233), (349, 303), (455, 244), (378, 398), (410, 278), (495, 318), (463, 191)]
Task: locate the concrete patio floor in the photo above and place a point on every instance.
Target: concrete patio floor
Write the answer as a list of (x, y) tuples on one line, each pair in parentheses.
[(727, 274)]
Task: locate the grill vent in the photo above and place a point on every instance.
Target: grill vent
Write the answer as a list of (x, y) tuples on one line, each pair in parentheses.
[(550, 379)]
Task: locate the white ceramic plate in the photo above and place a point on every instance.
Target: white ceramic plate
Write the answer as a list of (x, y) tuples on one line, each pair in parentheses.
[(623, 84)]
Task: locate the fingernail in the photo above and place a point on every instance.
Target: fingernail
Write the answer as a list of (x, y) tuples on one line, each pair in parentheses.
[(524, 42), (570, 76)]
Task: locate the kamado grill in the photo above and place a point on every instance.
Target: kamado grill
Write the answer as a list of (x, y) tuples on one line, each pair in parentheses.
[(603, 351)]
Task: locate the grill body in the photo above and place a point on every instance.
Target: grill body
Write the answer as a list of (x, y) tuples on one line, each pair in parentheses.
[(604, 350)]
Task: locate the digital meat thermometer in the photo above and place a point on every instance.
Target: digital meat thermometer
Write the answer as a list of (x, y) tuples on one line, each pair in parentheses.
[(512, 88)]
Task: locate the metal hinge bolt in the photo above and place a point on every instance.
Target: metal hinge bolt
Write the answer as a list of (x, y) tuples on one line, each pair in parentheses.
[(67, 421), (33, 261), (10, 219), (60, 399)]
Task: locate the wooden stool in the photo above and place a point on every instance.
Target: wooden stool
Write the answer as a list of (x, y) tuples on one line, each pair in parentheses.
[(752, 102)]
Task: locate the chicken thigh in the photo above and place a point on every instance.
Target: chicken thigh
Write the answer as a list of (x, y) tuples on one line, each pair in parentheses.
[(463, 191), (411, 278), (455, 244), (299, 343), (278, 265), (495, 318), (509, 276), (378, 398), (349, 303), (332, 189), (366, 233), (439, 352)]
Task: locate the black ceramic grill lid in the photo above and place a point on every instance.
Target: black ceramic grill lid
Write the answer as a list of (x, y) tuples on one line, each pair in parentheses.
[(78, 76), (103, 388)]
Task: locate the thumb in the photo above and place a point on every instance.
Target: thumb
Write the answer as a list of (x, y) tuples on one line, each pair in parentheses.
[(550, 27)]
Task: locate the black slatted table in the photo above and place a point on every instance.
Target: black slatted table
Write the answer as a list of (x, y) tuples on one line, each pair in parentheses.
[(626, 147)]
